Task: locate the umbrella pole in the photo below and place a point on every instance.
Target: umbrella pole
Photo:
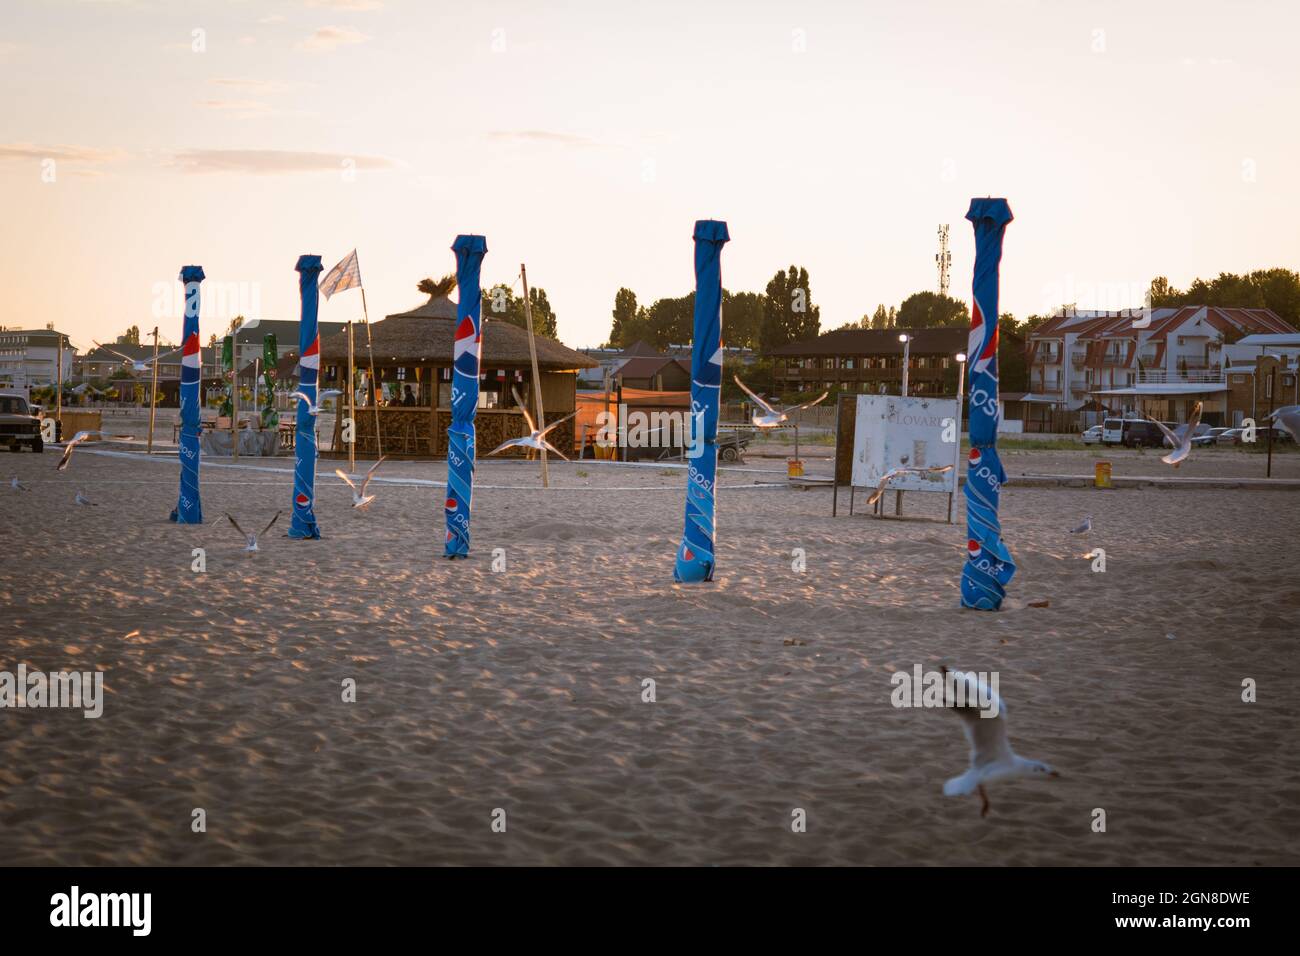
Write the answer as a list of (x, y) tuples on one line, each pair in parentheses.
[(537, 379), (153, 391), (352, 408)]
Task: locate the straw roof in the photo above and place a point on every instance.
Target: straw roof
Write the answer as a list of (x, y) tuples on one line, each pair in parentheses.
[(424, 335)]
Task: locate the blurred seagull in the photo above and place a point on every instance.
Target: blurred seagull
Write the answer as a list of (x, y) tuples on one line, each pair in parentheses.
[(315, 409), (537, 436), (1288, 419), (1182, 446), (250, 540), (893, 473), (1084, 527), (360, 500), (991, 757), (81, 499), (17, 485), (139, 365), (78, 438), (773, 416)]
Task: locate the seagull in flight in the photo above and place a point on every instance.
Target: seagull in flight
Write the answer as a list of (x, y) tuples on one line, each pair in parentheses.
[(314, 410), (138, 365), (1084, 526), (1182, 446), (81, 499), (536, 438), (78, 438), (250, 540), (991, 757), (1288, 419), (773, 416), (17, 485), (893, 473), (361, 500)]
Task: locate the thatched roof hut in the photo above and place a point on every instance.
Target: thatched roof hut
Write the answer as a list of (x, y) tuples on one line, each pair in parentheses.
[(405, 410), (424, 336)]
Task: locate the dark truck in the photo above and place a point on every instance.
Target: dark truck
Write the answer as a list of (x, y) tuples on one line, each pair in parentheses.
[(19, 425)]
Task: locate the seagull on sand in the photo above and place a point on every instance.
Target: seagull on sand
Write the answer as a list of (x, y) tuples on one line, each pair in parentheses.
[(893, 473), (78, 438), (1084, 526), (1182, 446), (314, 410), (81, 499), (1288, 419), (536, 437), (991, 757), (360, 500), (17, 485), (250, 540), (774, 416)]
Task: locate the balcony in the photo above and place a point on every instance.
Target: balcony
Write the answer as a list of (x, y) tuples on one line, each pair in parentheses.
[(1211, 376)]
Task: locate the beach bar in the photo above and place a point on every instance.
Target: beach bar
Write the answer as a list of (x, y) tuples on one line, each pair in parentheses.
[(410, 393)]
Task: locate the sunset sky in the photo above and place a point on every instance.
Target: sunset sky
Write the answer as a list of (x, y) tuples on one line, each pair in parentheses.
[(584, 138)]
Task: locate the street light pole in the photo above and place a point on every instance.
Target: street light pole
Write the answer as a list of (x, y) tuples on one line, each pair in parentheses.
[(956, 463), (907, 350)]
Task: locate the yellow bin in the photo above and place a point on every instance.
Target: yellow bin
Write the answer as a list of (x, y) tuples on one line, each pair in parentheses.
[(1103, 474), (794, 467)]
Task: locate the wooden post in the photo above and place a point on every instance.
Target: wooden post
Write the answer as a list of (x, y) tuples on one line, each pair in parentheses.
[(153, 391), (835, 462), (58, 396), (537, 378), (374, 395), (234, 394), (1272, 376), (352, 410)]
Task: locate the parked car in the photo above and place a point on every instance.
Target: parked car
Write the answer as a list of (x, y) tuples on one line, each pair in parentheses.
[(1140, 433), (1210, 437), (1229, 436), (18, 426), (1092, 436), (1236, 436)]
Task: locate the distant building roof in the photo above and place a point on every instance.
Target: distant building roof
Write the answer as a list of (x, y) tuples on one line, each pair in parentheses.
[(285, 330), (1112, 325), (943, 340), (640, 349), (649, 367)]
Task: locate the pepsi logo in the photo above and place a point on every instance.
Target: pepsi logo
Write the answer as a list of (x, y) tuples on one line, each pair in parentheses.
[(450, 504), (973, 549), (688, 554), (975, 457), (301, 500)]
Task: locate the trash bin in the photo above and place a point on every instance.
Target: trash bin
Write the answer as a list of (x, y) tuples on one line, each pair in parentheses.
[(1103, 475), (794, 467)]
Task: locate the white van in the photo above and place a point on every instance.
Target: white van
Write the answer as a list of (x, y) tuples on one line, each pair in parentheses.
[(1112, 431)]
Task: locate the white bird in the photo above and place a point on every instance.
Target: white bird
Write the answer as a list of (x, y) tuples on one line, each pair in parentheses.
[(1288, 419), (1084, 526), (250, 540), (893, 473), (81, 499), (1182, 446), (78, 438), (536, 438), (360, 500), (774, 416), (991, 756), (138, 365), (17, 485), (315, 409)]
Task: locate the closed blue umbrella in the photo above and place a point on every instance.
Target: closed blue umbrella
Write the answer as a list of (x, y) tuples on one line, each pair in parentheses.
[(989, 567), (695, 560), (189, 509), (466, 351), (303, 524)]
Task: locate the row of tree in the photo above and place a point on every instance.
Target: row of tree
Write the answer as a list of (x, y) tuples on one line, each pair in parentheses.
[(783, 313)]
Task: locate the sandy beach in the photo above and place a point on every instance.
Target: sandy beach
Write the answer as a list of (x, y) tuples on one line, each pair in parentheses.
[(522, 689)]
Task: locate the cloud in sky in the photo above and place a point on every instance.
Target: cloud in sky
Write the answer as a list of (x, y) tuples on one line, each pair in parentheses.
[(67, 154), (244, 109), (263, 87), (328, 39), (271, 162)]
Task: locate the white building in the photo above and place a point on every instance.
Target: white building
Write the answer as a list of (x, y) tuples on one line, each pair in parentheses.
[(29, 358)]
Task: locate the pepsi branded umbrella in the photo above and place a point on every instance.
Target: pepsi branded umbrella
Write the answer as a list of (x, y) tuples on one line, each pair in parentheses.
[(188, 508), (303, 523), (466, 350), (695, 556), (989, 567)]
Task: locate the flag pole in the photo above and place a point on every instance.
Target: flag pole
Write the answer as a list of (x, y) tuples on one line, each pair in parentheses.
[(58, 397), (537, 378), (352, 407), (153, 391), (370, 350)]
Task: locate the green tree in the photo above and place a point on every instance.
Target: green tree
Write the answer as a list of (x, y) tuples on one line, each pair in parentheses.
[(928, 310), (1277, 289), (130, 337), (671, 321), (629, 320), (501, 304), (789, 314), (1013, 367), (742, 319), (881, 319)]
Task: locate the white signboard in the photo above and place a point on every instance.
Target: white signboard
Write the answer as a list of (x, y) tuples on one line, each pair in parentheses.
[(893, 432)]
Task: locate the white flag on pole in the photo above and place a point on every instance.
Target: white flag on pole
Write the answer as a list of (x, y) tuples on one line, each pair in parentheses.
[(345, 275)]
